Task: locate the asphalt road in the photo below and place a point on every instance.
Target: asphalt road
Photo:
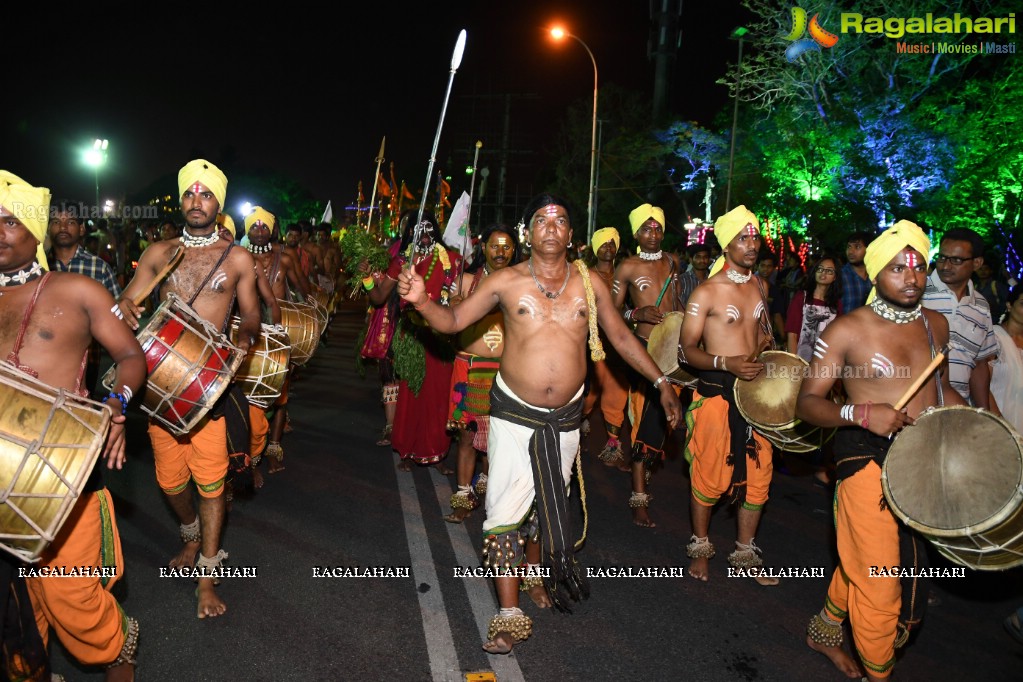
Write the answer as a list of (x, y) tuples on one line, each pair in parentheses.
[(341, 503)]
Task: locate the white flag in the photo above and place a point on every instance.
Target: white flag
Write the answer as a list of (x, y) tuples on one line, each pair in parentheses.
[(328, 214), (456, 234)]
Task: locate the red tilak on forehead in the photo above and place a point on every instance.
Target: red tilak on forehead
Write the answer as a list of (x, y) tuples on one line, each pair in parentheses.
[(195, 188), (912, 259), (751, 230), (551, 209)]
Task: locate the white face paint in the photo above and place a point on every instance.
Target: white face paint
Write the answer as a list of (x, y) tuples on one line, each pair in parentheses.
[(820, 349), (882, 365), (732, 312), (529, 303), (643, 283), (694, 309)]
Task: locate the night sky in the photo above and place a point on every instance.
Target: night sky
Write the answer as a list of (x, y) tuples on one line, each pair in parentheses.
[(311, 96)]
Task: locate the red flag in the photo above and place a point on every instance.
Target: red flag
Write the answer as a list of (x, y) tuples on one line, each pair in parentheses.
[(383, 189), (362, 198), (405, 193)]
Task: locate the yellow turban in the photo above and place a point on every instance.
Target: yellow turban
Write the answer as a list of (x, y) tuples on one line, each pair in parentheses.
[(206, 173), (641, 214), (30, 205), (889, 243), (603, 236), (260, 215), (732, 223), (228, 223)]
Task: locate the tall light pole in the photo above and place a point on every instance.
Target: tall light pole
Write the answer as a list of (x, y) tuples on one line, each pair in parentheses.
[(95, 158), (558, 33), (737, 34)]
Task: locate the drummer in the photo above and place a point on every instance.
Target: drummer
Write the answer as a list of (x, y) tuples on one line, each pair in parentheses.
[(50, 320), (651, 283), (210, 276), (726, 322), (872, 348)]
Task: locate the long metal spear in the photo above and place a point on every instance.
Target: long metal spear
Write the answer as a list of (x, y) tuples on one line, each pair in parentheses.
[(456, 60), (376, 183), (468, 215)]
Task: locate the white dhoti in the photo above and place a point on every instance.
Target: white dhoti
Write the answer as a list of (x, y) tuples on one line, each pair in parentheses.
[(510, 489)]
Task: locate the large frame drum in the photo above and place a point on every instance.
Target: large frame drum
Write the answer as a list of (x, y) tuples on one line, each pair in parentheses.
[(302, 323), (49, 442), (956, 476), (190, 366), (768, 403), (664, 348), (265, 369)]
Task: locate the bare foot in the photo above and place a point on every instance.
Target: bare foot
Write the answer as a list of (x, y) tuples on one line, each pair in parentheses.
[(837, 655), (763, 579), (458, 515), (276, 465), (641, 517), (210, 605), (540, 597), (443, 469), (501, 643), (186, 557), (121, 673), (405, 465), (257, 478), (699, 568)]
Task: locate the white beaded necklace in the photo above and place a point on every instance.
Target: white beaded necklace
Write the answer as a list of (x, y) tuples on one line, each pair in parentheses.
[(265, 248), (21, 276), (737, 278), (892, 314), (193, 242), (650, 256)]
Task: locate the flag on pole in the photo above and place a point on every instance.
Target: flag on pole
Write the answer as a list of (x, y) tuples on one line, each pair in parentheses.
[(406, 193), (383, 189), (456, 234), (328, 214)]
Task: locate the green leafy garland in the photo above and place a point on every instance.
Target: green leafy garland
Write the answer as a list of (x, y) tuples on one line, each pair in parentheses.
[(357, 246), (409, 354)]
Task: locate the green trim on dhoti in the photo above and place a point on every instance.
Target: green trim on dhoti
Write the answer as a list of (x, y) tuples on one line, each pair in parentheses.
[(209, 487), (752, 507), (690, 428), (834, 611), (108, 553), (507, 528), (176, 489), (703, 498), (880, 668)]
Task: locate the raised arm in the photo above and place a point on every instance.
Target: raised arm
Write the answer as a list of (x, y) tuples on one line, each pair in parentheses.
[(444, 319)]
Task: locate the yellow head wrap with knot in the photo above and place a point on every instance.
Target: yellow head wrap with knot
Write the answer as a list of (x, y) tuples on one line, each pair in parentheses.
[(228, 223), (603, 236), (30, 205), (260, 215), (643, 213), (204, 172), (728, 227), (889, 243)]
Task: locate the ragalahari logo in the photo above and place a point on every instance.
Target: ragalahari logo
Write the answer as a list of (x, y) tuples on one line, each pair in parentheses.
[(818, 36)]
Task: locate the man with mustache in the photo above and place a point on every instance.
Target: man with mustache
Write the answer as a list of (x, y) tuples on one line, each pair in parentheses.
[(211, 276), (726, 322), (892, 331)]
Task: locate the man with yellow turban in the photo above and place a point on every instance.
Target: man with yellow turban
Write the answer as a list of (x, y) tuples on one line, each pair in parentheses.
[(608, 380), (210, 277), (724, 329), (650, 283), (56, 316), (878, 350)]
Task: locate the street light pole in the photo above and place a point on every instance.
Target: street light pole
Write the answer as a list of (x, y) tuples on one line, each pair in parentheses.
[(738, 33), (96, 157), (557, 34)]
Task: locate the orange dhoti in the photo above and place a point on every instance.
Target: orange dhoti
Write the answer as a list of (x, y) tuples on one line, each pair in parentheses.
[(868, 536), (611, 387), (200, 455), (259, 427), (81, 611), (707, 450)]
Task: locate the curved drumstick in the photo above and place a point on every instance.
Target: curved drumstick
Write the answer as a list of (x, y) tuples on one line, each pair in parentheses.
[(174, 259), (760, 349), (937, 360)]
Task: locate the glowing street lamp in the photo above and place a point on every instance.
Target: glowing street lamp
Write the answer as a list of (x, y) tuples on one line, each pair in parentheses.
[(95, 158), (558, 33)]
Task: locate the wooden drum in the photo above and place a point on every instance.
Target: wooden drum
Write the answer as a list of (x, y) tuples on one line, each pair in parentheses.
[(663, 347), (302, 324), (265, 369)]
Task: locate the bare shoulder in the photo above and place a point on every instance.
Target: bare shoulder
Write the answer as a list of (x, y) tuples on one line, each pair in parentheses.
[(71, 286), (241, 258), (937, 321)]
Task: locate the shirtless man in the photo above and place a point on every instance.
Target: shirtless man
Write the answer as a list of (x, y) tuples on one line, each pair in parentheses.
[(282, 273), (892, 331), (209, 277), (47, 323), (650, 281), (536, 402), (476, 364), (725, 323), (331, 258)]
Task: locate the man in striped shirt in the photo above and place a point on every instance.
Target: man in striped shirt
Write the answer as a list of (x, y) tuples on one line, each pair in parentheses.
[(855, 283), (971, 333), (67, 229)]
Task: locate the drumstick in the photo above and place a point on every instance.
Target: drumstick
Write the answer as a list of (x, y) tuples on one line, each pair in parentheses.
[(938, 359), (763, 345), (171, 262)]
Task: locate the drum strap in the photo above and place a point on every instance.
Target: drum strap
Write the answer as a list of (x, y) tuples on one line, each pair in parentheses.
[(14, 357), (220, 261), (667, 281), (937, 374), (275, 269)]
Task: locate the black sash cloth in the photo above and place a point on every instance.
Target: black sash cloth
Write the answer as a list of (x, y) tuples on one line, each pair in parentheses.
[(233, 406), (24, 656), (566, 578), (648, 445), (740, 434), (854, 449)]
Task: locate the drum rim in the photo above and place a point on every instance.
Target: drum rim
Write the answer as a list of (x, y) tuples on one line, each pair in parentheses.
[(738, 396)]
